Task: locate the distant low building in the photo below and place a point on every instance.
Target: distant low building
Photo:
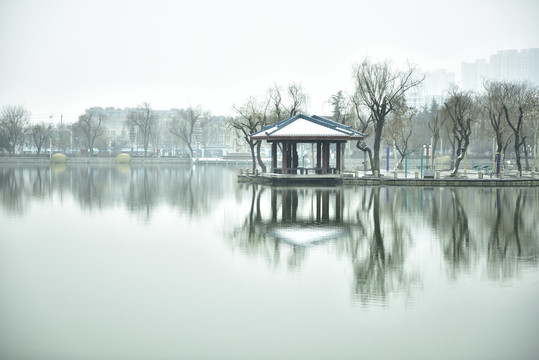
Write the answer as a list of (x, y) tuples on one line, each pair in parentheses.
[(212, 135)]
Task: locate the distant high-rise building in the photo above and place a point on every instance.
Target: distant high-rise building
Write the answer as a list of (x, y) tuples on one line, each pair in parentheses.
[(474, 74), (509, 65), (530, 65), (438, 82), (434, 86)]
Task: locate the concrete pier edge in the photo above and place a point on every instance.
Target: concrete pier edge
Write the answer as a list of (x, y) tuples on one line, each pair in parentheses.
[(470, 180)]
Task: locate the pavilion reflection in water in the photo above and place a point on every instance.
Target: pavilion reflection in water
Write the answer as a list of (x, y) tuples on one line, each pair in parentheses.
[(304, 216)]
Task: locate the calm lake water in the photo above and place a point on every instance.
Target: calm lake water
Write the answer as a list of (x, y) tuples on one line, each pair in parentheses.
[(185, 263)]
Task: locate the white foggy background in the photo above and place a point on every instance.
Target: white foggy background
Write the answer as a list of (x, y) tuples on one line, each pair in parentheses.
[(61, 57)]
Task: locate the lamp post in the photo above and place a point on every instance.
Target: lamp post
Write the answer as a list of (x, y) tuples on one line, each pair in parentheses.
[(406, 164), (50, 138), (422, 152), (387, 158)]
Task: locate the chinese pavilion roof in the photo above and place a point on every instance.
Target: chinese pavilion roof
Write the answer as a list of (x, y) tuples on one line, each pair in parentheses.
[(307, 128)]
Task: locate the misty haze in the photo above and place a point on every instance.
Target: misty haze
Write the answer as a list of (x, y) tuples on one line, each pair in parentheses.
[(269, 180)]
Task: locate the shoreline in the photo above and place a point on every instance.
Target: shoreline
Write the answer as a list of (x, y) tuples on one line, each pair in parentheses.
[(471, 178), (45, 160)]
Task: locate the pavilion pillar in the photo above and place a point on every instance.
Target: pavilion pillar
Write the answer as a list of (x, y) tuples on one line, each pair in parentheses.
[(295, 158), (284, 213), (273, 205), (325, 205), (338, 206), (285, 156), (318, 155), (325, 157), (318, 204), (293, 204), (338, 158), (273, 156)]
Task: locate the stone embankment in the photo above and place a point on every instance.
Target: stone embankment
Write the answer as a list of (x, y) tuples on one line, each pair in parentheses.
[(442, 179), (99, 160)]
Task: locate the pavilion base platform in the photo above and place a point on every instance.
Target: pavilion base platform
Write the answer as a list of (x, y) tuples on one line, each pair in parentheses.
[(349, 179), (293, 179)]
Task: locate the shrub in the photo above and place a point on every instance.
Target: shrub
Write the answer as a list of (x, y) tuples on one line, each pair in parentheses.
[(123, 159), (58, 158)]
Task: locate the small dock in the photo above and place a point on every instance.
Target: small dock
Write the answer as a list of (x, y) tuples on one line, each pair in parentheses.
[(291, 179)]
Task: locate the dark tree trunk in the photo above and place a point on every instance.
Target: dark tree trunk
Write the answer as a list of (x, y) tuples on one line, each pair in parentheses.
[(435, 139), (377, 143), (366, 150), (253, 155), (259, 157)]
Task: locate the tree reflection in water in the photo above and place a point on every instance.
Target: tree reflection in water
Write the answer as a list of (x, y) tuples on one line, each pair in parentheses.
[(140, 189), (372, 236), (381, 251), (514, 226), (456, 246), (379, 234), (383, 233)]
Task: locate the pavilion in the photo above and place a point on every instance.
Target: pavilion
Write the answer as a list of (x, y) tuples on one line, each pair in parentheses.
[(287, 134)]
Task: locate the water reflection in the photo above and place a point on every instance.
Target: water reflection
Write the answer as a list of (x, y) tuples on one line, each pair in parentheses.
[(386, 233), (358, 227), (389, 238), (139, 189), (294, 220)]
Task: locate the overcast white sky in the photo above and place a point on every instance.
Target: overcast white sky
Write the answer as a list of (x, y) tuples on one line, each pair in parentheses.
[(63, 56)]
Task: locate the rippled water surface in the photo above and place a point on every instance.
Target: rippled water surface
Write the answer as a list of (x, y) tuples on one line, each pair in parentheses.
[(185, 263)]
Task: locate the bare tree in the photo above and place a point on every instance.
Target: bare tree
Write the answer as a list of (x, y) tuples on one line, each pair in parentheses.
[(62, 135), (294, 101), (40, 133), (496, 95), (461, 109), (532, 123), (298, 99), (90, 124), (435, 124), (252, 116), (378, 87), (213, 131), (145, 120), (276, 103), (341, 108), (132, 132), (185, 122), (13, 121), (119, 142), (521, 98), (400, 128), (363, 121)]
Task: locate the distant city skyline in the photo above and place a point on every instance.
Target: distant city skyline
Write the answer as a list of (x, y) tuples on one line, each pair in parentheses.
[(469, 76), (438, 81), (511, 65), (60, 57)]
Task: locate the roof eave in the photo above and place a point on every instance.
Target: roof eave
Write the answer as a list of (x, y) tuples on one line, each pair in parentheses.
[(306, 138)]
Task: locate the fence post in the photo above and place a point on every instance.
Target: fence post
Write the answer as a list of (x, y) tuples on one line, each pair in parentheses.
[(421, 163)]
